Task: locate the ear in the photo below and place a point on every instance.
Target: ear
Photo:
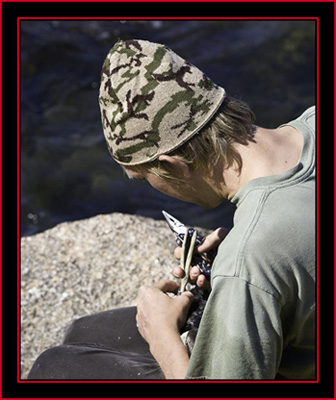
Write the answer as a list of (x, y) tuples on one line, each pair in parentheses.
[(180, 168)]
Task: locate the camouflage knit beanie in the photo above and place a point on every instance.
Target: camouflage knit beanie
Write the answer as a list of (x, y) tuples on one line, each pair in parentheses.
[(152, 101)]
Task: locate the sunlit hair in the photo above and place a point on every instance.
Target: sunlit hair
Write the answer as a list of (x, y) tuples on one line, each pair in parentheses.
[(233, 123)]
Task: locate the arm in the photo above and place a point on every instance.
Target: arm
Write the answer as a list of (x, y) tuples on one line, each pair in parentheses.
[(172, 356), (160, 318)]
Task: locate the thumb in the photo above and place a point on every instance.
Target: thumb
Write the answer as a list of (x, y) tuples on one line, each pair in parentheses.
[(186, 299), (213, 240), (184, 302)]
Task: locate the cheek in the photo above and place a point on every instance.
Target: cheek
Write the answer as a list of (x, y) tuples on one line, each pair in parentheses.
[(164, 188), (170, 189)]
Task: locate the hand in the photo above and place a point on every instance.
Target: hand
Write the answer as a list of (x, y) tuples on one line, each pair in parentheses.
[(210, 242), (159, 319), (158, 314)]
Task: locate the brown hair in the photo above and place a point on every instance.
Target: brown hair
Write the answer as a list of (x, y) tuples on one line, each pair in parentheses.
[(233, 123)]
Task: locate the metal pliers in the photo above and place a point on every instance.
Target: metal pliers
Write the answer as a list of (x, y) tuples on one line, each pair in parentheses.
[(189, 239)]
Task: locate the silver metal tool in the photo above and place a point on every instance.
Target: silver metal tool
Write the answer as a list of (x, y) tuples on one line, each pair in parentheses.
[(189, 239)]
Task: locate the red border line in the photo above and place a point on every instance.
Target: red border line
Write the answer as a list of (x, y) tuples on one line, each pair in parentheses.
[(317, 200), (1, 74), (164, 18), (334, 202), (167, 1), (317, 184), (18, 202)]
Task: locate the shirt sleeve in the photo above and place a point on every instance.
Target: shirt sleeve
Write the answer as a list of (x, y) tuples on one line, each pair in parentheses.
[(240, 336)]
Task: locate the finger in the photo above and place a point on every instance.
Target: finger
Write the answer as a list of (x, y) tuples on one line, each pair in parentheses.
[(203, 282), (166, 285), (194, 273), (213, 240), (186, 298), (142, 290), (178, 272), (199, 279), (177, 253), (183, 303)]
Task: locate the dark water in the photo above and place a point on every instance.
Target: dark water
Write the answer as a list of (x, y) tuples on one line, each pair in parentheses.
[(66, 170)]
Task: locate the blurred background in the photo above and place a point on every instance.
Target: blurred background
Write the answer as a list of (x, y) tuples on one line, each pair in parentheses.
[(67, 172)]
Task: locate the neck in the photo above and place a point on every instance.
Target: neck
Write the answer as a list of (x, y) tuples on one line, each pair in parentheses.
[(272, 152)]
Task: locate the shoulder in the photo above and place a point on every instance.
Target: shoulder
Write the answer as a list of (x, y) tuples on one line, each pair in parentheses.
[(267, 249), (308, 118)]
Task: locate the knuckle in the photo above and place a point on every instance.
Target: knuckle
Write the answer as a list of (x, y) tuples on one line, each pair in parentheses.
[(142, 289)]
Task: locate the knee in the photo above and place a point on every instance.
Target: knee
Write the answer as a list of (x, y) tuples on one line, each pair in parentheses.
[(75, 330), (49, 365)]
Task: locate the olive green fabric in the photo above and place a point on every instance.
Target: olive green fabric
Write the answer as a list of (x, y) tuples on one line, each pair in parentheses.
[(259, 321), (152, 101)]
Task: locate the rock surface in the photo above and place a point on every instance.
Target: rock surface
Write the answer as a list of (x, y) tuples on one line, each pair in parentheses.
[(83, 267)]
